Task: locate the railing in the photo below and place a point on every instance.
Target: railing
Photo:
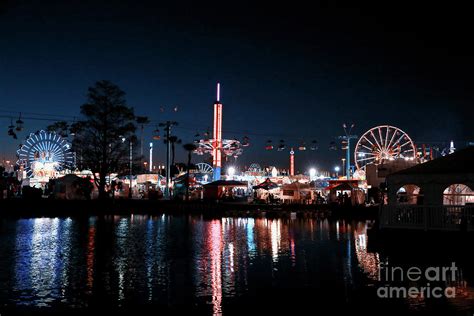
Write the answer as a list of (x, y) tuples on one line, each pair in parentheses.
[(442, 217)]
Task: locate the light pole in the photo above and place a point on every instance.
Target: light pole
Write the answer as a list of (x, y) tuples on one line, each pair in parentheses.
[(167, 125), (130, 164), (131, 169), (336, 168), (151, 157), (343, 162)]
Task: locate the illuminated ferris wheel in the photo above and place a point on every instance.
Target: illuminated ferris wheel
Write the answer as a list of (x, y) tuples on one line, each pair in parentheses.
[(44, 153), (204, 168), (382, 143)]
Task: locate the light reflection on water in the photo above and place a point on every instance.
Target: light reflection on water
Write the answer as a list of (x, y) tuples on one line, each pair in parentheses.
[(170, 260), (42, 260)]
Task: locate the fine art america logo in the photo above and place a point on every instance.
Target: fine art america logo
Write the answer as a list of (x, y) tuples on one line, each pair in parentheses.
[(435, 281)]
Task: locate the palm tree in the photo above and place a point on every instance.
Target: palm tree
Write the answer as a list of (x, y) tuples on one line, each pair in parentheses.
[(190, 148), (173, 140)]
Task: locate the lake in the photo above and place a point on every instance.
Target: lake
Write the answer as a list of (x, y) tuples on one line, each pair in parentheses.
[(207, 266)]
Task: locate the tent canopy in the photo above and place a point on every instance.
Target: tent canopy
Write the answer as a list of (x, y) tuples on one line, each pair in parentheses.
[(343, 186), (296, 186), (69, 179), (266, 185), (228, 183)]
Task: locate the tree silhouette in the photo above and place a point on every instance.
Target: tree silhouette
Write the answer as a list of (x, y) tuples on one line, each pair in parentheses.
[(61, 128), (99, 137)]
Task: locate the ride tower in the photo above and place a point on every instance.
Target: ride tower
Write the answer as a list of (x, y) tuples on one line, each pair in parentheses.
[(216, 146), (217, 136), (292, 162)]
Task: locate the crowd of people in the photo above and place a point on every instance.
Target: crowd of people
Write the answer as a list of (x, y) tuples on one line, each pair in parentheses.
[(343, 199)]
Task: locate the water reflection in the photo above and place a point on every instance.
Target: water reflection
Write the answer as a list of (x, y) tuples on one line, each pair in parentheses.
[(171, 260), (228, 251), (368, 261), (42, 260), (139, 259), (122, 254), (275, 239), (90, 254)]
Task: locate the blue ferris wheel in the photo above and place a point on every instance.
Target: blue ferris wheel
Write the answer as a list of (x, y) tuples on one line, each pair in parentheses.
[(44, 153)]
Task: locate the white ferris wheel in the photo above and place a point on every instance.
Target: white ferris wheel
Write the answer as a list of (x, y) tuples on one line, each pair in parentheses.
[(383, 143)]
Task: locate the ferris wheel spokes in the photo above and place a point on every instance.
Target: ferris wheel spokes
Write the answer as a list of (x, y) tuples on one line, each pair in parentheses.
[(391, 140), (377, 145), (44, 152), (386, 138)]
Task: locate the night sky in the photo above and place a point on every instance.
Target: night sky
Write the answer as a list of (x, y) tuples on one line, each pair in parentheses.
[(287, 72)]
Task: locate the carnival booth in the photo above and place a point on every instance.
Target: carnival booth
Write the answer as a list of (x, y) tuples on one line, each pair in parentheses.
[(297, 192), (71, 187), (179, 187), (123, 186), (346, 193), (267, 191), (148, 185), (321, 191), (226, 190)]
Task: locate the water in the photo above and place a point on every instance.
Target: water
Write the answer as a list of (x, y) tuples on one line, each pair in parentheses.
[(212, 267)]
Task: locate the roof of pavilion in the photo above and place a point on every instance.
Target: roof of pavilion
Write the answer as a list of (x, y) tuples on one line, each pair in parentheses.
[(461, 161)]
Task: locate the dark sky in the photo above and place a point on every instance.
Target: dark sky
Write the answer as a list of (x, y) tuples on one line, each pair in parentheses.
[(291, 72)]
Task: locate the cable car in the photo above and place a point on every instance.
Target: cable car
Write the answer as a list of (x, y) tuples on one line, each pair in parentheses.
[(269, 145), (12, 133), (245, 142), (156, 134), (302, 146), (206, 136), (19, 124)]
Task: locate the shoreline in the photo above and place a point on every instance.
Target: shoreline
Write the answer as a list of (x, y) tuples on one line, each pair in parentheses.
[(15, 208)]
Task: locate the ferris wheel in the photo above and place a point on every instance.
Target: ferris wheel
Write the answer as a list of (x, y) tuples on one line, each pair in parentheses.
[(382, 143), (43, 153), (255, 167), (204, 168)]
